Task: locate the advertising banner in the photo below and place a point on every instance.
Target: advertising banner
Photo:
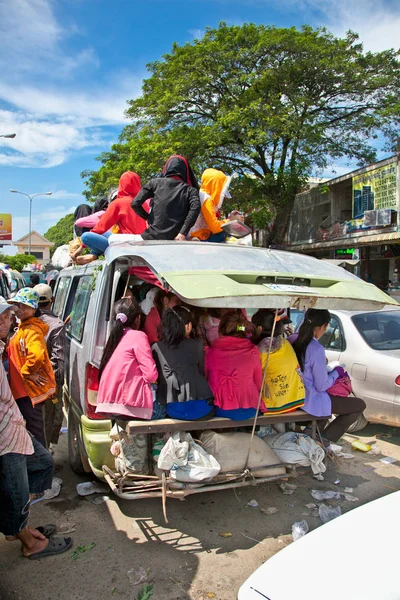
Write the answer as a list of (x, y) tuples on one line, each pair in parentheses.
[(5, 229), (374, 190)]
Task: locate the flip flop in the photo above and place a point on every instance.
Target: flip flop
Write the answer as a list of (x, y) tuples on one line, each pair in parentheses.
[(56, 545), (47, 530)]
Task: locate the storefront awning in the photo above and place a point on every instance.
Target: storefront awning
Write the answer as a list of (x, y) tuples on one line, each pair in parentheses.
[(344, 261), (372, 239)]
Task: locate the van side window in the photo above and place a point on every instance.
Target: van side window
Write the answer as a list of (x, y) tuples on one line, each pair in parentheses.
[(61, 296), (80, 306)]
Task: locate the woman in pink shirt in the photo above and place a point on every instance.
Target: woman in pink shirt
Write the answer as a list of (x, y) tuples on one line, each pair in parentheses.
[(127, 368), (234, 369)]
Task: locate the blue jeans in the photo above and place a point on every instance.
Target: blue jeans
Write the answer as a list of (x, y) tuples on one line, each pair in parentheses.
[(21, 475), (96, 243), (217, 237)]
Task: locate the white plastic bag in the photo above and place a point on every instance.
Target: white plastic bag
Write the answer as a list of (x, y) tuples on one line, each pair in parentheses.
[(297, 449), (61, 257), (190, 463)]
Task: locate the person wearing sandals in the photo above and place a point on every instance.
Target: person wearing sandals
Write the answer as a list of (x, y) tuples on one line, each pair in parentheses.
[(26, 470)]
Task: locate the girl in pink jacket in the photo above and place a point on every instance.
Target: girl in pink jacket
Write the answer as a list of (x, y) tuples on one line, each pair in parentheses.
[(127, 368), (234, 369)]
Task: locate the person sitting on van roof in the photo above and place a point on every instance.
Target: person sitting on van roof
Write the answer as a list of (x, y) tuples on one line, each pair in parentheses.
[(180, 364), (175, 203), (233, 368), (213, 191), (127, 367), (118, 213), (283, 386)]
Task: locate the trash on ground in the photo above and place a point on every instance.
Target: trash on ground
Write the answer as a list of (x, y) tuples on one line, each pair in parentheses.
[(270, 510), (368, 470), (318, 477), (81, 550), (346, 455), (288, 488), (311, 505), (325, 495), (225, 534), (350, 498), (252, 504), (299, 529), (99, 499), (335, 448), (65, 528), (138, 576), (388, 460), (86, 488), (337, 482), (55, 489), (328, 513), (348, 490), (361, 446), (63, 429), (375, 450)]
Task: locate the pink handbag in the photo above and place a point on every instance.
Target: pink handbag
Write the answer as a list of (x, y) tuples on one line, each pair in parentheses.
[(341, 387)]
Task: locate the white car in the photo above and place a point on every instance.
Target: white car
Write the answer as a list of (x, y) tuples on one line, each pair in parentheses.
[(368, 343)]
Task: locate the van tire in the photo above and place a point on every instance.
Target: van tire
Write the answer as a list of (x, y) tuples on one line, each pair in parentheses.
[(74, 444)]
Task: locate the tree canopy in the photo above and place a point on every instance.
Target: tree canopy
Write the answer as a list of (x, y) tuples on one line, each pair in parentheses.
[(19, 261), (62, 232), (273, 105)]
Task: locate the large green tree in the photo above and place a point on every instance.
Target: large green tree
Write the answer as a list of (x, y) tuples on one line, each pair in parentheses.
[(62, 232), (18, 261), (273, 105)]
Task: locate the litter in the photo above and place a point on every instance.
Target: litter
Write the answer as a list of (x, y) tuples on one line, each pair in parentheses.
[(299, 529), (335, 448), (337, 481), (346, 455), (311, 505), (63, 429), (375, 450), (296, 448), (225, 534), (55, 489), (86, 488), (319, 477), (361, 446), (350, 498), (368, 470), (288, 488), (327, 495), (99, 499), (253, 504), (271, 510), (388, 460), (66, 528), (348, 490), (328, 513), (136, 577)]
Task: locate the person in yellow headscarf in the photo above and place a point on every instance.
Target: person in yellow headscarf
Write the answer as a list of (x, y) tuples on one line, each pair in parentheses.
[(213, 191)]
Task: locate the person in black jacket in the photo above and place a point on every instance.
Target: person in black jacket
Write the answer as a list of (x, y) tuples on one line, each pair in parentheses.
[(175, 203)]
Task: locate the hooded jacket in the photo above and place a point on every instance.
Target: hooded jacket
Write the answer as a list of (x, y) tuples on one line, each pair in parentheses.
[(175, 203), (214, 186), (28, 353), (234, 373), (119, 212)]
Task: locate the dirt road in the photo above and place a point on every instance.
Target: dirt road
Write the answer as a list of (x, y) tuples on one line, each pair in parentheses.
[(188, 558)]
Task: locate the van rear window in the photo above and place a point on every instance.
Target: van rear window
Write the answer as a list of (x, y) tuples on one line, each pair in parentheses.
[(61, 296), (80, 306)]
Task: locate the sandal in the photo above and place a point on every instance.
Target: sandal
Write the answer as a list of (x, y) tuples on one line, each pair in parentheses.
[(56, 545), (47, 530)]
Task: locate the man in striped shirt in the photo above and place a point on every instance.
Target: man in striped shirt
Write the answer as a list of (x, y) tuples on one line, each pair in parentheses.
[(26, 467)]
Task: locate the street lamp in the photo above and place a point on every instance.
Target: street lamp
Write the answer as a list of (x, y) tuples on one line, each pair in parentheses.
[(30, 210), (8, 135)]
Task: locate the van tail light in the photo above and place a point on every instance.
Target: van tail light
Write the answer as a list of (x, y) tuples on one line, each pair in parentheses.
[(91, 390), (397, 380)]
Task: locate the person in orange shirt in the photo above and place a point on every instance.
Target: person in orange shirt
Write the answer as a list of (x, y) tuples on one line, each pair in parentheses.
[(213, 191)]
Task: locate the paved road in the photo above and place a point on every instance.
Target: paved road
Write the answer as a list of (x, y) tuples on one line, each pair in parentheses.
[(186, 558)]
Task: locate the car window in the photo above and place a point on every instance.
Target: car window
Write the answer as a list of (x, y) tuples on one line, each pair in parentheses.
[(380, 330), (61, 296), (80, 306), (333, 338)]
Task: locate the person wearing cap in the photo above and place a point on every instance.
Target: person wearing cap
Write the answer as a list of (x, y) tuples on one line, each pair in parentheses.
[(213, 191), (55, 341), (31, 374)]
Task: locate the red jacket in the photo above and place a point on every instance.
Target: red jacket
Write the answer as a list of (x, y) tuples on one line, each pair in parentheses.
[(119, 212), (234, 372)]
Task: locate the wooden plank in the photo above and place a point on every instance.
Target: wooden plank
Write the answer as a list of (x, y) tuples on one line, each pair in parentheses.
[(164, 425)]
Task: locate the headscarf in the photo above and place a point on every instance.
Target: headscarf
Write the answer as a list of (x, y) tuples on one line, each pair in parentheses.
[(214, 185), (83, 210), (129, 185), (177, 166), (100, 204)]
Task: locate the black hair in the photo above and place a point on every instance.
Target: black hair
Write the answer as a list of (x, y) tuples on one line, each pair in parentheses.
[(34, 279), (159, 299), (265, 319), (131, 309), (313, 318), (172, 326), (234, 324), (101, 203)]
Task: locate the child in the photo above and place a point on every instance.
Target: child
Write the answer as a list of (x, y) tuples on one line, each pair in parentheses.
[(31, 375), (180, 364), (233, 369), (127, 368), (283, 389), (175, 203)]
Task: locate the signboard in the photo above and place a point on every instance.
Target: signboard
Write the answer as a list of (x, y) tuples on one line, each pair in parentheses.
[(5, 229), (345, 252), (374, 190)]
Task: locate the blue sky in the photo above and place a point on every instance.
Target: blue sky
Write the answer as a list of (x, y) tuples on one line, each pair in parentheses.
[(68, 66)]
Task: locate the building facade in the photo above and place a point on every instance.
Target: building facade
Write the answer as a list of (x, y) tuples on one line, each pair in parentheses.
[(40, 247), (353, 219)]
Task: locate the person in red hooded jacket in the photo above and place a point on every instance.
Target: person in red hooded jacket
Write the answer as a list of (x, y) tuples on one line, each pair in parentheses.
[(118, 213)]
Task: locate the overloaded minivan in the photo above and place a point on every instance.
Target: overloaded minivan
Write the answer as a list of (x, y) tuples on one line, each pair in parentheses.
[(200, 274)]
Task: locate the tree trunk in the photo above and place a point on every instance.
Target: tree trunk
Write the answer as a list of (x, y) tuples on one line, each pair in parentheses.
[(277, 235)]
